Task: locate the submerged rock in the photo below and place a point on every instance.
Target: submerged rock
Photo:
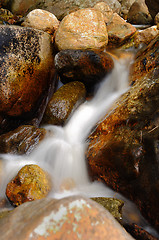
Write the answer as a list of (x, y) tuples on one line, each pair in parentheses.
[(83, 29), (31, 183), (21, 140), (68, 218), (120, 149), (89, 67), (27, 68), (64, 101), (119, 31)]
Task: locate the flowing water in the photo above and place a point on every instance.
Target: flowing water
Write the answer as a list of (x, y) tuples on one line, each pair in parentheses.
[(63, 154)]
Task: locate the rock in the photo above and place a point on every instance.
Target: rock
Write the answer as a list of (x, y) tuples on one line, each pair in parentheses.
[(68, 218), (146, 36), (139, 14), (5, 16), (153, 7), (27, 69), (21, 140), (4, 213), (105, 9), (42, 20), (157, 20), (83, 29), (114, 5), (119, 31), (31, 183), (114, 206), (119, 151), (64, 101), (89, 67), (125, 6)]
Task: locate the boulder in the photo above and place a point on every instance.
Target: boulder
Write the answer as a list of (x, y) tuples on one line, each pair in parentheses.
[(153, 7), (122, 148), (89, 67), (105, 9), (157, 20), (125, 6), (42, 20), (27, 70), (31, 183), (139, 13), (119, 31), (63, 102), (68, 218), (83, 29), (21, 140)]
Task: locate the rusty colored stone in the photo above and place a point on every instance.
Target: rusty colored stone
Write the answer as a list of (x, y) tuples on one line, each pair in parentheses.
[(64, 101), (119, 31), (31, 183), (68, 218), (122, 147), (89, 67), (83, 29), (21, 140)]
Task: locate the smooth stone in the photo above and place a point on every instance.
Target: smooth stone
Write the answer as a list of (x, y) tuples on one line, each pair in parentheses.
[(68, 218), (119, 31), (105, 9), (83, 29), (30, 183), (89, 67), (42, 20), (64, 102), (21, 140)]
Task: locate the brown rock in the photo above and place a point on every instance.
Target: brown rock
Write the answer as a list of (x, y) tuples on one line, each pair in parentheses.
[(31, 183), (21, 140), (27, 68), (139, 14), (89, 67), (125, 6), (118, 151), (119, 31), (83, 29), (68, 218), (105, 9), (42, 20), (157, 20), (153, 6), (64, 101)]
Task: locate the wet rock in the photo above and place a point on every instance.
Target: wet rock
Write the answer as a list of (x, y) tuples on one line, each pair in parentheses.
[(42, 20), (27, 68), (105, 9), (119, 151), (139, 14), (64, 101), (157, 20), (89, 67), (153, 6), (21, 140), (119, 31), (31, 183), (114, 206), (69, 218), (83, 29), (4, 213), (146, 36)]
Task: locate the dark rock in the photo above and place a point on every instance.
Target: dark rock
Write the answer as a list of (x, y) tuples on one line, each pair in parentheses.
[(119, 31), (22, 140), (121, 151), (64, 101), (68, 218), (31, 183), (153, 6), (27, 68), (89, 67)]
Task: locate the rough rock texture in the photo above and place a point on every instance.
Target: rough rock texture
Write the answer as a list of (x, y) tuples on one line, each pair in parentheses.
[(42, 20), (89, 67), (125, 6), (122, 149), (157, 20), (153, 6), (119, 31), (68, 218), (27, 68), (22, 140), (139, 14), (105, 9), (83, 29), (64, 101), (60, 8), (31, 183)]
